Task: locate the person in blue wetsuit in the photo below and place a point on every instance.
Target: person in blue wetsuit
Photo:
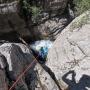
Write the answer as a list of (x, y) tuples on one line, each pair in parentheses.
[(43, 53), (40, 49)]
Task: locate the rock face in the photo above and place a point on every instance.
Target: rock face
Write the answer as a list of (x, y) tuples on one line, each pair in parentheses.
[(69, 57), (50, 29), (55, 18), (10, 21), (17, 57), (55, 6), (14, 59), (45, 82)]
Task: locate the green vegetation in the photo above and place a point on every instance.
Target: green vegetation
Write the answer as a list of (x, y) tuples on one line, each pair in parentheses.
[(81, 6), (80, 21), (35, 13), (29, 10)]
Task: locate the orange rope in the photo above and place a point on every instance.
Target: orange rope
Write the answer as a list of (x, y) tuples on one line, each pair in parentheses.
[(28, 67), (22, 74)]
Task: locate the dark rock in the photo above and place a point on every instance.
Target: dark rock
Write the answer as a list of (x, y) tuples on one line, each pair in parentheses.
[(3, 80), (10, 21), (51, 28), (18, 57)]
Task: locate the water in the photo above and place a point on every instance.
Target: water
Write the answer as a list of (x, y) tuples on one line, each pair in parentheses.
[(41, 48)]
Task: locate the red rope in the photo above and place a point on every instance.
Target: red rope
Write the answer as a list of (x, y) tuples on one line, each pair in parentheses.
[(22, 74)]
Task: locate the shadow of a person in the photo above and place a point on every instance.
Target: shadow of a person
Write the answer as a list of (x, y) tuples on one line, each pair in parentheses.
[(84, 82), (72, 85)]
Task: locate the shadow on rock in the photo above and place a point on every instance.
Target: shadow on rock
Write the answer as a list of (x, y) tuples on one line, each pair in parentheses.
[(81, 85)]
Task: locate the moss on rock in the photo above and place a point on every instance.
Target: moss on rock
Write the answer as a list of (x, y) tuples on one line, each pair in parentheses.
[(80, 21)]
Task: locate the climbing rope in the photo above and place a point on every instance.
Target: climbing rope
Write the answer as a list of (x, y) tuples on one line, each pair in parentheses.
[(22, 74), (28, 67)]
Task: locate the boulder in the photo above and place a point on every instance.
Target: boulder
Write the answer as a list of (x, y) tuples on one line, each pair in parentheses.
[(69, 58), (15, 58), (11, 51), (18, 57)]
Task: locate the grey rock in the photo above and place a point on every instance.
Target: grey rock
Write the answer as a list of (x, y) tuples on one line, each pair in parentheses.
[(3, 80), (2, 61), (69, 57), (45, 82), (50, 29), (10, 20), (55, 6), (18, 57), (8, 7)]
